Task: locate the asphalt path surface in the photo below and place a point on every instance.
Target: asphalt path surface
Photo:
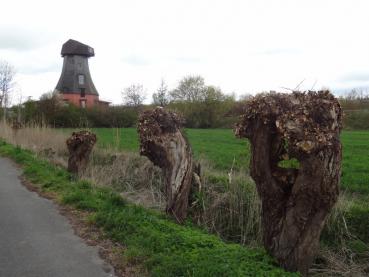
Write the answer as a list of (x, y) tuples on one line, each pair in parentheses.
[(35, 240)]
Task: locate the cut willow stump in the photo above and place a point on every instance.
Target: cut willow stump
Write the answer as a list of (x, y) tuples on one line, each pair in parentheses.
[(80, 145), (16, 125), (295, 201), (162, 141)]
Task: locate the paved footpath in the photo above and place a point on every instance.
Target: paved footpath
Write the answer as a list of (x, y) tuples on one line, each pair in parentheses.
[(35, 240)]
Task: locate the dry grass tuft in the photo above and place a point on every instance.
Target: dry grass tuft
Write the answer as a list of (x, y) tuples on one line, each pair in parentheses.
[(228, 205), (44, 141), (340, 260), (133, 176), (333, 263)]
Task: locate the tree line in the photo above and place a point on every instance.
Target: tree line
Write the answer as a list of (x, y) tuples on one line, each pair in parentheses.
[(202, 106), (355, 105)]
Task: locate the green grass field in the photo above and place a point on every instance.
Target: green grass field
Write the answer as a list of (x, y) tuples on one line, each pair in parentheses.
[(221, 148), (355, 173), (218, 146)]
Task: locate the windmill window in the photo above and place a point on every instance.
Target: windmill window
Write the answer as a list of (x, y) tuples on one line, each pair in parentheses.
[(81, 79), (83, 93)]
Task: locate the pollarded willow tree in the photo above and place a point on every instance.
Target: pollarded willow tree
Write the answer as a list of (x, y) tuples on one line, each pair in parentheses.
[(295, 201), (16, 125), (80, 145), (162, 141)]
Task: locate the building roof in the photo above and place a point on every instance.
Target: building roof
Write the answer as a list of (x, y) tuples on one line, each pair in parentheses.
[(73, 47)]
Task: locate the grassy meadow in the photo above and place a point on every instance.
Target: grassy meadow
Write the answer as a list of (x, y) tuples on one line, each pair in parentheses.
[(221, 149)]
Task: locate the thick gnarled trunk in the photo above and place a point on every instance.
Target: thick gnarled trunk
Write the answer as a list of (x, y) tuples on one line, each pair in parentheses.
[(293, 215), (80, 145), (295, 202), (162, 141), (16, 126)]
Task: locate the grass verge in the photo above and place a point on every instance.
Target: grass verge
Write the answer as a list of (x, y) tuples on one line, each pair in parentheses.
[(153, 241)]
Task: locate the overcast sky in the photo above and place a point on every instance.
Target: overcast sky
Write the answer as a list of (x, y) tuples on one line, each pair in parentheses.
[(241, 46)]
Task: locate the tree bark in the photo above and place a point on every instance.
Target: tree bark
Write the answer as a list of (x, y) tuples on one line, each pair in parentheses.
[(162, 141), (80, 145), (16, 126), (295, 202)]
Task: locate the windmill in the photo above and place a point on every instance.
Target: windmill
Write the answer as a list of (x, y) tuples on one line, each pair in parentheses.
[(75, 83)]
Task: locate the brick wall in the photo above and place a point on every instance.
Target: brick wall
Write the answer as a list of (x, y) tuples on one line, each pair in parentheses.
[(76, 99)]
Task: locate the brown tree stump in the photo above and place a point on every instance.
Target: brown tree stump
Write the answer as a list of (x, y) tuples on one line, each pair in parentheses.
[(162, 141), (80, 145), (16, 125), (295, 201)]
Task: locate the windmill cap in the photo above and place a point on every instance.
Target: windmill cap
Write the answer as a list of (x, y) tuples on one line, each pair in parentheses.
[(73, 47)]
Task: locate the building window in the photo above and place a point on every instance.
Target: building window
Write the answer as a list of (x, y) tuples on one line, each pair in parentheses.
[(83, 103), (83, 93), (81, 79)]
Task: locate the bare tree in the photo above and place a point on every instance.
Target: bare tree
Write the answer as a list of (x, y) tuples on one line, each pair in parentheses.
[(295, 201), (7, 74), (134, 95), (161, 97), (357, 94), (245, 97), (190, 89)]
